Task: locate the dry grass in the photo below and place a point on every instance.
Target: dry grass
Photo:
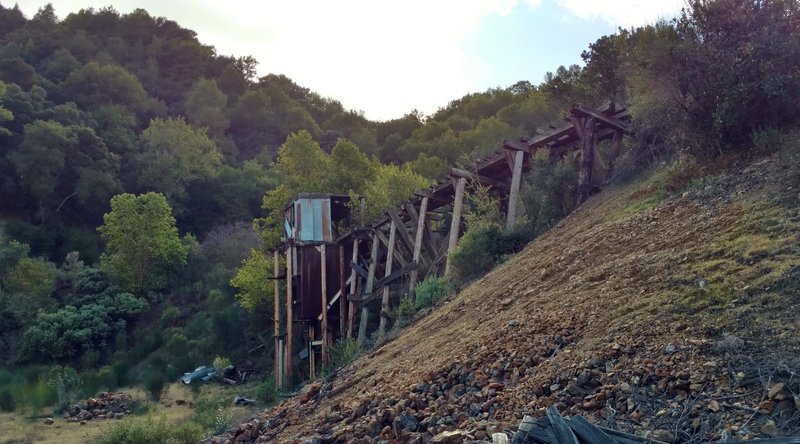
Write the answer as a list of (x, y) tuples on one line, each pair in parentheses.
[(15, 428)]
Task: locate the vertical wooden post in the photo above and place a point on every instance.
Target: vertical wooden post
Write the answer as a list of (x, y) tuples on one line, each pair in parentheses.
[(289, 315), (373, 263), (277, 318), (352, 305), (324, 284), (386, 289), (423, 211), (342, 293), (312, 358), (616, 148), (455, 224), (513, 195), (586, 133)]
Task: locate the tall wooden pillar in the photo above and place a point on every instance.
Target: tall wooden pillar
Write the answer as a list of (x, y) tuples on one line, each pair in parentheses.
[(585, 127), (277, 318), (616, 148), (513, 195), (289, 315), (373, 263), (353, 280), (423, 211), (386, 289), (455, 224), (324, 284), (342, 294)]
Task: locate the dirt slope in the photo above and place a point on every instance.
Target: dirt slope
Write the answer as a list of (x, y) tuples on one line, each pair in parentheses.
[(675, 318)]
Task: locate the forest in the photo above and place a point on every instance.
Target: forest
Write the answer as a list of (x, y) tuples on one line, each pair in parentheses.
[(144, 174)]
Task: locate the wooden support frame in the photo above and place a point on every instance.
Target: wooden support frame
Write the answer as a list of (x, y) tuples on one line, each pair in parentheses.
[(368, 287), (401, 228), (277, 317), (353, 281), (513, 194), (427, 237), (455, 224), (585, 128), (324, 286), (423, 210), (342, 289), (290, 256), (611, 121), (478, 177), (389, 259), (397, 255)]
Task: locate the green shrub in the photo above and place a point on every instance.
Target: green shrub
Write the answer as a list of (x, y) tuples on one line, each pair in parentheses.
[(7, 403), (431, 290), (212, 414), (154, 383), (170, 314), (107, 378), (68, 387), (766, 139), (266, 391), (220, 363), (550, 194), (37, 396), (475, 253), (406, 307), (343, 352), (151, 429)]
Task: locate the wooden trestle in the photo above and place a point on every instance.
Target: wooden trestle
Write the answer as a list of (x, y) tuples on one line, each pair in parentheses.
[(385, 259)]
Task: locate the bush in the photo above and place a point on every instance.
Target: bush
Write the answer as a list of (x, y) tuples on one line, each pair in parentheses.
[(151, 429), (475, 253), (220, 363), (107, 378), (431, 290), (550, 194), (154, 384), (67, 387), (212, 414), (266, 391), (342, 353), (7, 403), (406, 307)]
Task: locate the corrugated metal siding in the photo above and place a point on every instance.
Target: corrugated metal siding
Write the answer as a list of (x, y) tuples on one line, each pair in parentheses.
[(313, 220)]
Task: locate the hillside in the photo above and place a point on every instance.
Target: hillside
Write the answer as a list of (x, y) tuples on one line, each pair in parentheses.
[(676, 316)]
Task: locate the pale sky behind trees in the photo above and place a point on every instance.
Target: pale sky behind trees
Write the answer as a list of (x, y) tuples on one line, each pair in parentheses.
[(386, 58)]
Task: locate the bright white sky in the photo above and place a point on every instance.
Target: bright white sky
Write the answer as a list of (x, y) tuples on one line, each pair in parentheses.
[(386, 58)]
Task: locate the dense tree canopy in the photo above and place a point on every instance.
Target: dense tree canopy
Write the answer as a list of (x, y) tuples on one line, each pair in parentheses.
[(142, 243)]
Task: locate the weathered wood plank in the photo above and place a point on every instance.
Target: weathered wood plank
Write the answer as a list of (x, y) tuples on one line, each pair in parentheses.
[(351, 311), (368, 288), (486, 180), (401, 228), (562, 431), (455, 224), (289, 314), (419, 222), (588, 433), (608, 120), (387, 273), (357, 268), (397, 274), (323, 276), (513, 194), (398, 255), (277, 318), (342, 286)]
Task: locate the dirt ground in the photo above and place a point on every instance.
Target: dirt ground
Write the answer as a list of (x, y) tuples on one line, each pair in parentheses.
[(17, 429), (621, 313)]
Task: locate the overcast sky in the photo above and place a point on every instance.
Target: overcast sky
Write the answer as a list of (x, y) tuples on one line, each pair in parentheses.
[(386, 58)]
